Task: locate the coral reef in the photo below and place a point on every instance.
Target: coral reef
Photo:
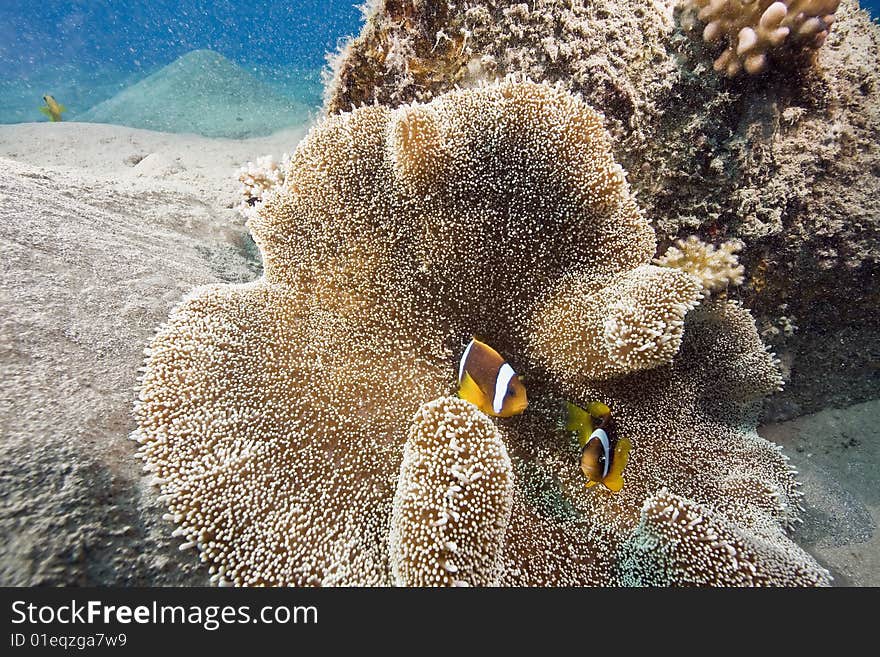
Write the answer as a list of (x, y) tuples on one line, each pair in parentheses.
[(260, 178), (273, 416), (453, 499), (715, 268), (786, 162), (756, 29)]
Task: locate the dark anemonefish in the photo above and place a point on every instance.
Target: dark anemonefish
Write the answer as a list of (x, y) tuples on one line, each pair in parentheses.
[(488, 381), (603, 457)]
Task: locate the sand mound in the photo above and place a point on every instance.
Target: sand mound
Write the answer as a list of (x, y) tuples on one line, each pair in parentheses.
[(102, 230), (204, 93)]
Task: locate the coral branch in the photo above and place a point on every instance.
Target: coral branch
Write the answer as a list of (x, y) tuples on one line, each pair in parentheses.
[(715, 267), (757, 29)]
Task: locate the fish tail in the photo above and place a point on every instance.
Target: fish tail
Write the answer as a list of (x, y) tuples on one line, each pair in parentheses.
[(613, 482), (598, 410)]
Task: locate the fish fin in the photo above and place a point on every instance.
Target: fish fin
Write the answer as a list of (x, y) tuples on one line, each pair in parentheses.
[(470, 391), (598, 409), (613, 482), (590, 484), (45, 110), (578, 420), (61, 108)]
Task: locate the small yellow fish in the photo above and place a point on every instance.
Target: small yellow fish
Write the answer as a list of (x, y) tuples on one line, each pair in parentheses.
[(602, 457), (488, 382), (52, 108)]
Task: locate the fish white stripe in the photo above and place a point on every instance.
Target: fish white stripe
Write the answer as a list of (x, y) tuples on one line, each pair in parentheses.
[(464, 357), (603, 438), (505, 374)]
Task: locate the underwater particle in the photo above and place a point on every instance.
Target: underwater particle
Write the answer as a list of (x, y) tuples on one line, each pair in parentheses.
[(453, 499), (756, 30), (681, 543), (715, 267)]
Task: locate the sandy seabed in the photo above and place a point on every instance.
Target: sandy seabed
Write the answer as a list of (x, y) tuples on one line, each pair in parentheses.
[(103, 229)]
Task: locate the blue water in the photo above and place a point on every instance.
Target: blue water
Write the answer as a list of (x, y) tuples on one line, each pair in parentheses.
[(140, 35), (85, 51)]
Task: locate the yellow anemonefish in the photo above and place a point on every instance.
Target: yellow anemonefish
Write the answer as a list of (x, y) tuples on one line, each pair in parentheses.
[(488, 382), (602, 457), (52, 108)]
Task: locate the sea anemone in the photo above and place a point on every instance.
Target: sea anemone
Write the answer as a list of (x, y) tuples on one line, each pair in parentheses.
[(277, 417)]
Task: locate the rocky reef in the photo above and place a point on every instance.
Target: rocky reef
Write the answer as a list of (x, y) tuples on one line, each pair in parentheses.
[(301, 430), (787, 160)]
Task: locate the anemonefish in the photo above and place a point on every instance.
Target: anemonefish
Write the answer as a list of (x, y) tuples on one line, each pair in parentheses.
[(52, 108), (488, 381), (603, 457)]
